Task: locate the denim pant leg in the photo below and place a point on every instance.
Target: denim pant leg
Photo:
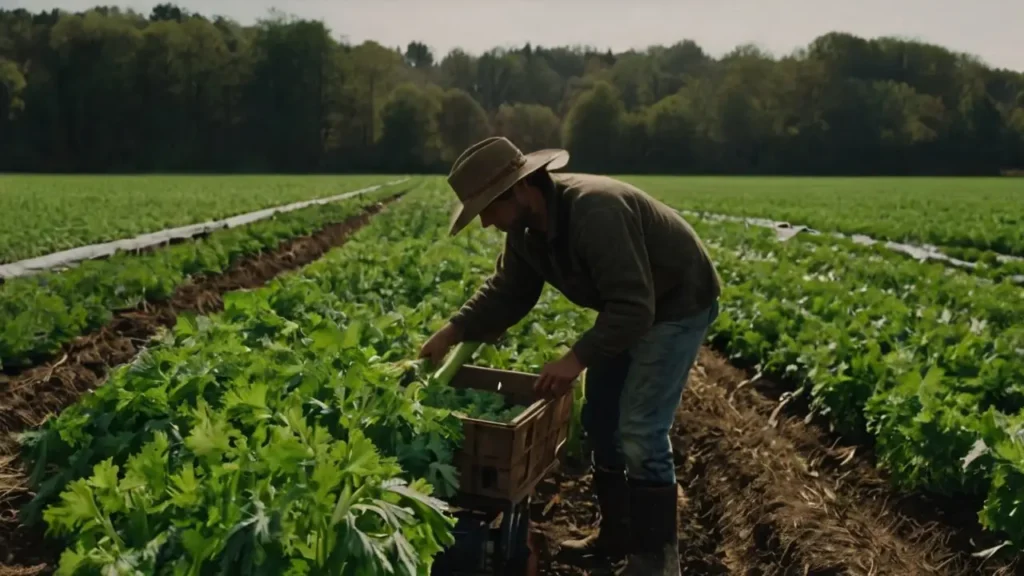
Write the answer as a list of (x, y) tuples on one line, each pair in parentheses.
[(600, 414), (660, 364)]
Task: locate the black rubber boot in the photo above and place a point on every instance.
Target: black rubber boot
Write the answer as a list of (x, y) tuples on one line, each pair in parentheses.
[(654, 547), (612, 537)]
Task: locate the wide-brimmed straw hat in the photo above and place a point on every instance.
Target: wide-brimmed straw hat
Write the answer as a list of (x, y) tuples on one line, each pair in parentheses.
[(489, 168)]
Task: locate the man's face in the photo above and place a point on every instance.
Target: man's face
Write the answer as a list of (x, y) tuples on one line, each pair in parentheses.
[(505, 214)]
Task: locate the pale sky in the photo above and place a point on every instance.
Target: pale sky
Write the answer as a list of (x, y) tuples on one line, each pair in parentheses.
[(990, 29)]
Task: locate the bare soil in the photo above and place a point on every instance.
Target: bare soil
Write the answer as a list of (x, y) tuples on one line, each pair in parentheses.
[(764, 493), (27, 399)]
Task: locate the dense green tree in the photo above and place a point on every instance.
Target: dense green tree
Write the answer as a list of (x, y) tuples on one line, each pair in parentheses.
[(500, 78), (110, 90), (419, 55), (531, 126), (171, 12), (374, 75), (462, 122), (671, 134), (458, 70), (593, 127), (409, 138), (12, 82)]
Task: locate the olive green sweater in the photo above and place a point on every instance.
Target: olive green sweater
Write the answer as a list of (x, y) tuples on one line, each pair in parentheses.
[(609, 247)]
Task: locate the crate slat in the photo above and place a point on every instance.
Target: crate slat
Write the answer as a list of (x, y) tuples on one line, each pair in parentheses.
[(506, 460)]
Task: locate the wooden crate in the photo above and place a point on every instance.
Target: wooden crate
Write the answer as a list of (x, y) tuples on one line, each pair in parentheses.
[(506, 461)]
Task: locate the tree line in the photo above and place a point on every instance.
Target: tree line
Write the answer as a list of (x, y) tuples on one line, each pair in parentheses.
[(109, 90)]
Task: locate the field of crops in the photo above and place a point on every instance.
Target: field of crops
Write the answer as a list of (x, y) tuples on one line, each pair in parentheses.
[(979, 213), (290, 432), (41, 313), (44, 214)]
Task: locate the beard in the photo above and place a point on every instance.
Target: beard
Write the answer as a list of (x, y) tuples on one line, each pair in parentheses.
[(523, 219)]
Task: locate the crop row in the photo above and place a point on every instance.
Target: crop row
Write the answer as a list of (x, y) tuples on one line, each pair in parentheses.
[(44, 214), (276, 435), (925, 362), (41, 313), (988, 264), (981, 213)]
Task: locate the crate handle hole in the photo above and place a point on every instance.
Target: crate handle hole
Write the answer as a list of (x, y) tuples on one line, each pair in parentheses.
[(488, 477)]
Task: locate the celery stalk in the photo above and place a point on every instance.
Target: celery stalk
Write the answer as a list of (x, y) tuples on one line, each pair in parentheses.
[(574, 444), (462, 353)]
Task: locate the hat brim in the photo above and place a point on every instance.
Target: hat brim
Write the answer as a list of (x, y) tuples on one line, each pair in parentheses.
[(551, 158)]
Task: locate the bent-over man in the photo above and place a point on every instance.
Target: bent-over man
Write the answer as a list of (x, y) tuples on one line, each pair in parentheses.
[(608, 246)]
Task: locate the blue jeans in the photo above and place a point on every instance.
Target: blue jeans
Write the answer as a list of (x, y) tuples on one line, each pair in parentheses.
[(631, 399)]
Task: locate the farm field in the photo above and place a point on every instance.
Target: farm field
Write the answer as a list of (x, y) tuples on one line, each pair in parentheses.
[(41, 313), (877, 376), (40, 214), (955, 213)]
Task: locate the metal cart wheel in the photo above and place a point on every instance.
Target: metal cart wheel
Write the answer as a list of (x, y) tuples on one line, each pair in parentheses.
[(514, 553)]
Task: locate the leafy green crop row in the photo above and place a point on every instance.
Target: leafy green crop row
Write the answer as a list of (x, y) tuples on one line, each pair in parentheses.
[(275, 437), (924, 360), (44, 214), (39, 314), (988, 264), (983, 213)]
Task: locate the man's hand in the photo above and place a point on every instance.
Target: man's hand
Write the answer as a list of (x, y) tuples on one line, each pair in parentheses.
[(437, 346), (556, 378)]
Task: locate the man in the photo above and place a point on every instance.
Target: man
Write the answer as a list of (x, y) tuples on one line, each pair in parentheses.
[(607, 246)]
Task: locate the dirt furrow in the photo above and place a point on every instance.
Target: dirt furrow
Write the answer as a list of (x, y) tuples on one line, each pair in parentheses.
[(781, 514), (32, 396), (776, 497), (793, 502)]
